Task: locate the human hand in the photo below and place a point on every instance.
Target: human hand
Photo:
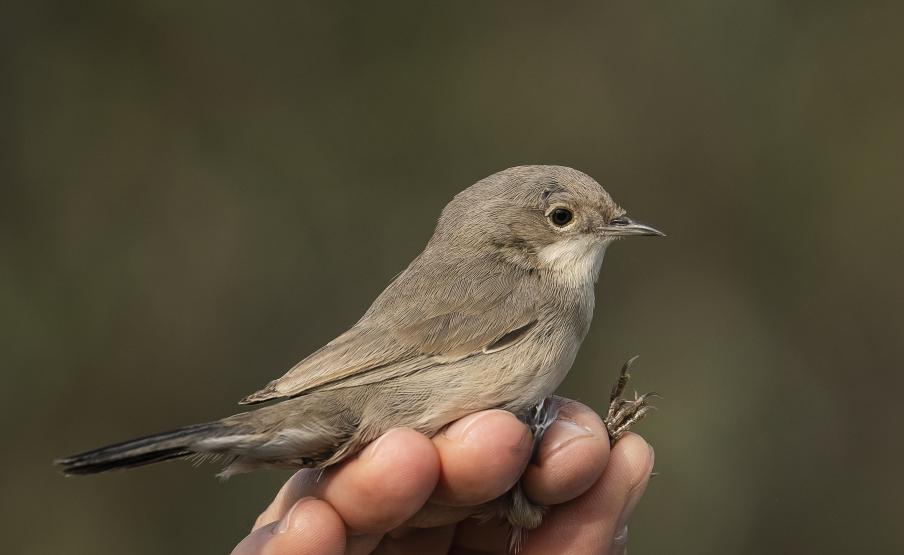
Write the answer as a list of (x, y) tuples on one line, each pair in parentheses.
[(406, 493)]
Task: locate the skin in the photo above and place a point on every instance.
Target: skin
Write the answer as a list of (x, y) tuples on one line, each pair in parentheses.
[(368, 504)]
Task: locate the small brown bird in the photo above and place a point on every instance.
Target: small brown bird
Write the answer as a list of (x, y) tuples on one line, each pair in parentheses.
[(490, 315)]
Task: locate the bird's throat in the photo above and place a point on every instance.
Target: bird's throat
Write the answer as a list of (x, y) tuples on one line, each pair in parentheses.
[(574, 262)]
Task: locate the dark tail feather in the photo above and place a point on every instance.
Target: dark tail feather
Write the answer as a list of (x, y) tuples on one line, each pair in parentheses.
[(139, 452)]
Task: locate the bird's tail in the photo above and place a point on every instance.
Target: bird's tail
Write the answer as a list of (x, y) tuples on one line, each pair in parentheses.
[(138, 452)]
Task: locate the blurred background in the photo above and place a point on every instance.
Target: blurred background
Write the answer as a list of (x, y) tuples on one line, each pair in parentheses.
[(195, 195)]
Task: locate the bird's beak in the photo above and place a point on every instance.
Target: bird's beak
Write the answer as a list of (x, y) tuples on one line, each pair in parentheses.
[(624, 226)]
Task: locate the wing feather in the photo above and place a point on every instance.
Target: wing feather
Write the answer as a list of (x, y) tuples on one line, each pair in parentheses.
[(439, 310)]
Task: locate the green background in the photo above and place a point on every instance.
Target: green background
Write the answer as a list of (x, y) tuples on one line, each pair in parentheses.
[(195, 195)]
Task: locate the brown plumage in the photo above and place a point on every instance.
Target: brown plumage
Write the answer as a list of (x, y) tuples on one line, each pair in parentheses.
[(490, 315)]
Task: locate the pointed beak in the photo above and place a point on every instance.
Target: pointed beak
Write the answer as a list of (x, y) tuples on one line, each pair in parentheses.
[(624, 226)]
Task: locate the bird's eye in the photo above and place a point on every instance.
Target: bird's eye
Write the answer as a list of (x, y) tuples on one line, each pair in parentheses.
[(561, 217)]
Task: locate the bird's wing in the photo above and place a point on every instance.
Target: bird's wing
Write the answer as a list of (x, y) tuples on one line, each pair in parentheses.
[(435, 312)]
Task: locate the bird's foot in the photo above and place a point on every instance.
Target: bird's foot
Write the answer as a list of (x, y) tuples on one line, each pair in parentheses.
[(541, 418), (624, 413), (516, 508)]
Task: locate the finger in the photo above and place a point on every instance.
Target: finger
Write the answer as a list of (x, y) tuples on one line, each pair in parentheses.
[(362, 544), (474, 536), (384, 485), (620, 541), (417, 541), (302, 484), (374, 492), (591, 523), (310, 527), (571, 457), (432, 515), (482, 456)]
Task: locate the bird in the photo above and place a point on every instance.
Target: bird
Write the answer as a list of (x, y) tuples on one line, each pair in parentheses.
[(490, 314)]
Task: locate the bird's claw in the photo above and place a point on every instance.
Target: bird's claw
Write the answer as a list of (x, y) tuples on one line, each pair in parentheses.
[(624, 413)]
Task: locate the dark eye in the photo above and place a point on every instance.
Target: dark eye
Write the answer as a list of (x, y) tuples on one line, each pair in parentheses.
[(560, 217)]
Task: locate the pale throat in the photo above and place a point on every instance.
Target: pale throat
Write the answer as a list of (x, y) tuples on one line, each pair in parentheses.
[(574, 261)]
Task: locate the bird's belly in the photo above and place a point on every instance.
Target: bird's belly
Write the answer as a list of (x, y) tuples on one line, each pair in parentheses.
[(514, 379)]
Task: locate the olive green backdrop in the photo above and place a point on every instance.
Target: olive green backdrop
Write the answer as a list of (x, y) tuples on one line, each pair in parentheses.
[(195, 195)]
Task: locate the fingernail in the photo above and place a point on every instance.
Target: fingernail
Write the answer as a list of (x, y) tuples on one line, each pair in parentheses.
[(621, 537), (620, 542), (372, 450), (560, 434), (289, 522), (464, 428), (635, 494)]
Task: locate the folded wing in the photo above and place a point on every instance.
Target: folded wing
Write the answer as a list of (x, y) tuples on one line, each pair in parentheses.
[(435, 312)]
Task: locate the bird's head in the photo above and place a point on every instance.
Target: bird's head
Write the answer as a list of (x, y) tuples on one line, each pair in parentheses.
[(551, 218)]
